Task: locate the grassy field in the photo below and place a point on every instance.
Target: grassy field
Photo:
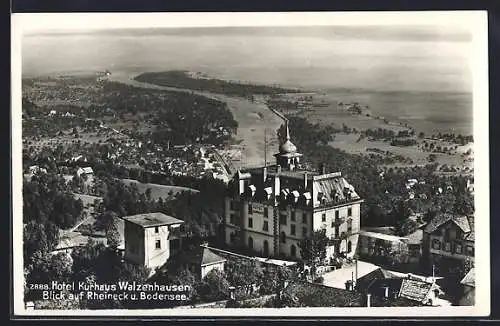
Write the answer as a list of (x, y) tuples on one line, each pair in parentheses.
[(157, 190), (350, 144)]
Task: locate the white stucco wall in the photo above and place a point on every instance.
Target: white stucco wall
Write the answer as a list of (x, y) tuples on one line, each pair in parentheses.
[(208, 268)]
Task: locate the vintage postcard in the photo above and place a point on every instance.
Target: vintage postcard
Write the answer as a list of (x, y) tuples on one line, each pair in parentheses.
[(250, 164)]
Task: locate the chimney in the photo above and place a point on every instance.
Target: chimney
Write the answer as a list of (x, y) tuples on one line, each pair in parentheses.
[(305, 180), (368, 300), (322, 168)]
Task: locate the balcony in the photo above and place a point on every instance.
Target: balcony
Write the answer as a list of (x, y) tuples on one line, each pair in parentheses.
[(338, 221)]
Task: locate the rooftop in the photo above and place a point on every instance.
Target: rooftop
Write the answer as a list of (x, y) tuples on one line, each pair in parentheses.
[(382, 236), (152, 219), (203, 256), (273, 170), (470, 278), (416, 290), (466, 224)]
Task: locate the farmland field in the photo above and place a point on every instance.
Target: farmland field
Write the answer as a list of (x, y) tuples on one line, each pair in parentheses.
[(157, 191)]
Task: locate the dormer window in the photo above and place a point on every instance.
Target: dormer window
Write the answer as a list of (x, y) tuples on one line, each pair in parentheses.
[(268, 192)]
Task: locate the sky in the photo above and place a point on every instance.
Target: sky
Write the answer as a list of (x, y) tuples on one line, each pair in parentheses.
[(42, 22)]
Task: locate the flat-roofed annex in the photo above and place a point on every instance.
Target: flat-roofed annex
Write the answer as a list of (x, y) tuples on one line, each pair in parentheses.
[(152, 219)]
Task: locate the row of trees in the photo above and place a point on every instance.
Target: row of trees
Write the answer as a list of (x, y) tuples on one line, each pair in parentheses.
[(46, 198), (180, 79)]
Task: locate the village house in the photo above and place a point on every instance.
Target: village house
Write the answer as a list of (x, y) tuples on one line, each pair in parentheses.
[(150, 239), (86, 171), (448, 238), (271, 209), (391, 285), (318, 295), (375, 246), (201, 261)]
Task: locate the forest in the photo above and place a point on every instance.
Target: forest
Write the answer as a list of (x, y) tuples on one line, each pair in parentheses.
[(180, 79)]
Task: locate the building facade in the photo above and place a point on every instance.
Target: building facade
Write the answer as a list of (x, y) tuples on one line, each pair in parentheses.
[(385, 247), (150, 239), (271, 209), (448, 239)]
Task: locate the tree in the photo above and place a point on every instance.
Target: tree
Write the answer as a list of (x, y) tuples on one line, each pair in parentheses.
[(42, 237), (213, 287), (313, 249), (244, 273), (405, 227), (186, 277), (112, 234)]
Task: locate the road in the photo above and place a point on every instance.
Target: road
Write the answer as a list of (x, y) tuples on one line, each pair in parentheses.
[(254, 119)]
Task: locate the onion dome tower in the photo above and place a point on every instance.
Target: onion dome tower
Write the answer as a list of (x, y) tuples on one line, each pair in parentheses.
[(288, 158)]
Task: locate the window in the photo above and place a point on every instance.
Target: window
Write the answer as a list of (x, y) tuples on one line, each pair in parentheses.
[(283, 237), (292, 229), (158, 244), (234, 205), (266, 213), (156, 229), (250, 222), (337, 232), (293, 250), (304, 218), (232, 219), (250, 210), (293, 216), (349, 226), (337, 215), (304, 232), (470, 250), (266, 248), (436, 244), (458, 248), (265, 227), (447, 246), (283, 219), (349, 211), (349, 246), (323, 217), (250, 242)]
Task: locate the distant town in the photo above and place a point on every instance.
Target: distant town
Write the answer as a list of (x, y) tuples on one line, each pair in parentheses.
[(237, 196)]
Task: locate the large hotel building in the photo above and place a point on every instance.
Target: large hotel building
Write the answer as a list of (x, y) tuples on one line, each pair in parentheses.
[(272, 208)]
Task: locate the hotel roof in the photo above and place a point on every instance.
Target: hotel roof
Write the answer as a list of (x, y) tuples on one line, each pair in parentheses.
[(152, 219)]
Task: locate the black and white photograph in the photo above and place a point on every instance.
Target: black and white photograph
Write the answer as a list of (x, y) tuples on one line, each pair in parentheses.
[(250, 164)]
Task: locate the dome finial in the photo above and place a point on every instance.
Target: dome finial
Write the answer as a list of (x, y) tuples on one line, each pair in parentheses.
[(287, 130)]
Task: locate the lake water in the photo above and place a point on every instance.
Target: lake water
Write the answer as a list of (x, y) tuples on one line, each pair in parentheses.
[(426, 82)]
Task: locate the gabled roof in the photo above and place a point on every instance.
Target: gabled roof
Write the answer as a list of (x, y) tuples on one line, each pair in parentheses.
[(152, 219), (365, 281), (415, 237), (416, 290), (471, 236), (318, 295), (203, 256), (470, 278), (461, 221)]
